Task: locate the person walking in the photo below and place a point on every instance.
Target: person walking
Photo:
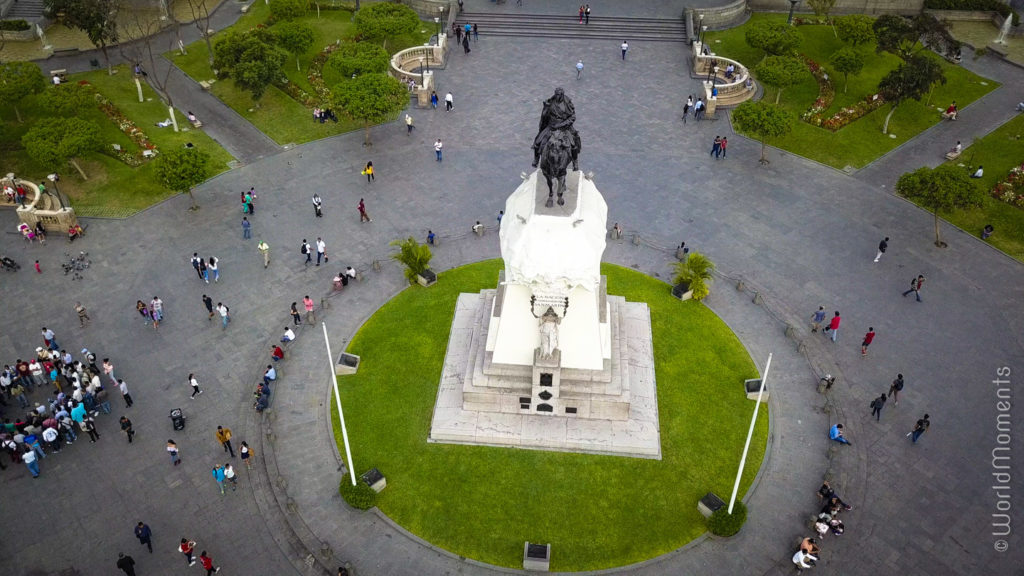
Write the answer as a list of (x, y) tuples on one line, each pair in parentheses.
[(698, 109), (624, 47), (449, 102), (172, 449), (579, 69), (408, 125), (204, 270), (920, 428), (208, 302), (476, 32), (433, 99), (124, 393), (876, 407), (915, 287), (368, 170), (214, 268), (307, 302), (195, 386), (363, 216), (224, 437), (833, 326), (586, 15), (230, 476), (264, 249), (126, 564), (716, 147), (196, 263), (868, 339), (31, 462), (143, 311), (725, 145), (318, 205), (321, 250), (836, 433), (882, 247), (218, 475), (83, 315), (246, 454), (895, 388), (186, 547), (438, 145), (817, 319), (246, 228), (145, 535), (583, 10), (294, 311), (225, 315), (207, 563), (90, 428), (126, 427), (307, 251), (687, 107)]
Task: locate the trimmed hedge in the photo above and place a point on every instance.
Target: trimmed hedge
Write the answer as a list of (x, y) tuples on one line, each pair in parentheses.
[(14, 25), (721, 523), (986, 5), (359, 496)]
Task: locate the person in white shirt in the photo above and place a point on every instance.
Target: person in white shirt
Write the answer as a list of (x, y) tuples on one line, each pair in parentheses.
[(321, 250), (317, 205), (449, 102), (350, 272), (624, 48), (288, 335), (804, 560), (979, 173)]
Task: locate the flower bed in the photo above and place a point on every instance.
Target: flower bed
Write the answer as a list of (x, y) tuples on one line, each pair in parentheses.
[(815, 115), (125, 125), (1011, 189), (322, 97)]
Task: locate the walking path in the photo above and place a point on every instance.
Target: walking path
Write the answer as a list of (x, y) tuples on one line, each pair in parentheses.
[(797, 234)]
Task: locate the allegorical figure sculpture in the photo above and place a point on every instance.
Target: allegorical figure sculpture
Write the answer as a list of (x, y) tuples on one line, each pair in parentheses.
[(549, 333), (557, 142)]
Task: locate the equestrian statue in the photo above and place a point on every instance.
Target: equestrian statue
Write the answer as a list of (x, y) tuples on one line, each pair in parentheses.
[(557, 143)]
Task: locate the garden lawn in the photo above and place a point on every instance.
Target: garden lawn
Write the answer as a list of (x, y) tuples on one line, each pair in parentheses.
[(862, 141), (596, 511), (278, 115), (998, 152), (113, 188)]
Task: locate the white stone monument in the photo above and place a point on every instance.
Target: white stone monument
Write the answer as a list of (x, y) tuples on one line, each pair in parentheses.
[(548, 360)]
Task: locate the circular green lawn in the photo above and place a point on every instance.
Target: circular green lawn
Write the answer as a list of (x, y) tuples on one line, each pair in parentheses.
[(596, 511)]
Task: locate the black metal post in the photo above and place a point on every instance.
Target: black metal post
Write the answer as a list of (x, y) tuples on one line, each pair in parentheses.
[(792, 7)]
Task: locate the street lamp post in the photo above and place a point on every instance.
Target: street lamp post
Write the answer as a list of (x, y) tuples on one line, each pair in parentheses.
[(704, 31), (792, 7), (437, 22), (54, 178), (440, 10), (699, 26)]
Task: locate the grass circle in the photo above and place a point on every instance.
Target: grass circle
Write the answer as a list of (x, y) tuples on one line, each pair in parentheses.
[(596, 511)]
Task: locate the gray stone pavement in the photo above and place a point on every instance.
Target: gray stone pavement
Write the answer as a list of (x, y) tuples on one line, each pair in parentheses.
[(800, 235)]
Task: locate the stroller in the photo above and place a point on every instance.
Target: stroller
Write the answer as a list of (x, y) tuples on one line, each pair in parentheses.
[(178, 419), (10, 265)]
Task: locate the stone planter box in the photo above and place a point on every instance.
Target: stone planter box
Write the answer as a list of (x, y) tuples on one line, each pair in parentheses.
[(374, 479), (537, 557), (682, 291), (347, 364), (426, 278), (709, 503), (752, 387)]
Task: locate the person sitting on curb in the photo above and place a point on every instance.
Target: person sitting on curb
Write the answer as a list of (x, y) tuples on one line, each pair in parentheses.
[(276, 354), (288, 335), (951, 112), (836, 433)]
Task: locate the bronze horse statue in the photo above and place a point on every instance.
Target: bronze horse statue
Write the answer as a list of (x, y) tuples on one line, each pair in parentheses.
[(560, 149)]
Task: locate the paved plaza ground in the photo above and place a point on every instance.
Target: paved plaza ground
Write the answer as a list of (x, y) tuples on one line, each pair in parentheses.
[(799, 234)]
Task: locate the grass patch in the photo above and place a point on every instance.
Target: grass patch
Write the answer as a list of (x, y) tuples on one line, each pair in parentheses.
[(113, 188), (860, 142), (278, 115), (597, 511)]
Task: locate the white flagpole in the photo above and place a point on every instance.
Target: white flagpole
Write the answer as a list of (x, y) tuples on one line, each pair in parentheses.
[(750, 434), (337, 400)]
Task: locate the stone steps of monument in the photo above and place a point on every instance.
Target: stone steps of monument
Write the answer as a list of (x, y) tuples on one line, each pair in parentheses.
[(25, 10), (560, 26)]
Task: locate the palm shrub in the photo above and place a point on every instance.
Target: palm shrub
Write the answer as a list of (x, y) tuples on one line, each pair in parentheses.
[(414, 256), (721, 523), (695, 272)]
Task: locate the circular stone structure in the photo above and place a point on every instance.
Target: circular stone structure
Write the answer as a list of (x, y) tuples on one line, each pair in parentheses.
[(596, 511)]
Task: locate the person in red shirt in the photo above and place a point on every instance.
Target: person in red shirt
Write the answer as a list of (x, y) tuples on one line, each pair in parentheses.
[(186, 548), (868, 338), (276, 353), (207, 563), (833, 326)]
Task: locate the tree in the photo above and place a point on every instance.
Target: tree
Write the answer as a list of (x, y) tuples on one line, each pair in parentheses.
[(413, 255), (847, 61), (181, 169), (855, 29), (18, 80), (773, 38), (911, 80), (66, 99), (284, 10), (940, 189), (764, 120), (98, 19), (380, 21), (142, 33), (780, 72), (906, 37), (251, 59), (55, 141), (201, 18), (695, 271), (294, 37), (357, 58), (372, 98), (821, 8)]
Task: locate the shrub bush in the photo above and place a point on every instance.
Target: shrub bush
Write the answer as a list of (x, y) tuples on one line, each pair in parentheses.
[(359, 496), (721, 523), (987, 5), (14, 25)]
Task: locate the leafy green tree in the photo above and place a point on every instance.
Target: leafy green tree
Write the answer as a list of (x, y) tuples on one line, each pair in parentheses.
[(905, 37), (774, 38), (357, 58), (294, 37), (98, 19), (764, 120), (182, 169), (379, 21), (414, 256), (940, 189), (18, 80), (780, 72), (284, 10), (54, 142), (822, 8), (230, 48), (372, 98), (251, 59), (847, 61), (913, 79), (855, 29), (66, 99)]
